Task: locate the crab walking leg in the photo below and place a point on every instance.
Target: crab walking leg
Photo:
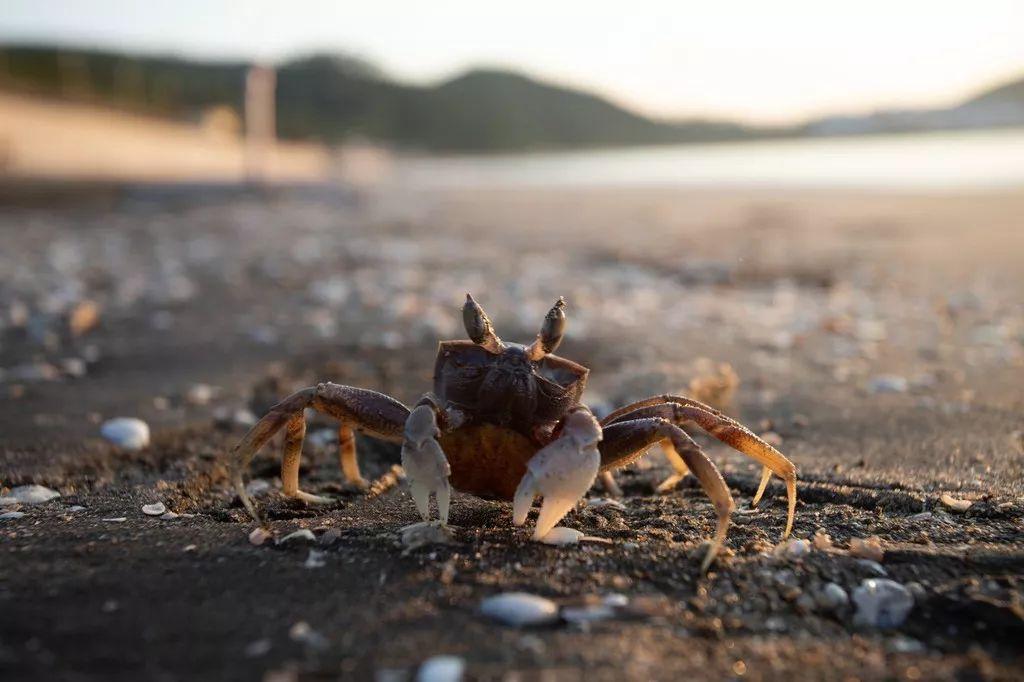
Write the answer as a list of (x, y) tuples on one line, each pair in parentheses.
[(766, 476), (677, 462), (561, 472), (680, 410), (374, 413), (609, 484), (627, 441), (347, 457), (424, 462), (295, 432)]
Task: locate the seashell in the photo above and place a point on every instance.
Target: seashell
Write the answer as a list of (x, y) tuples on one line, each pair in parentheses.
[(126, 433), (520, 609)]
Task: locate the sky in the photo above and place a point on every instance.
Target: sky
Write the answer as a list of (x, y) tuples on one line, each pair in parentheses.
[(760, 61)]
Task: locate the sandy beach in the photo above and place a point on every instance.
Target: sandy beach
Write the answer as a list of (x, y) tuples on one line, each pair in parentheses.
[(879, 336)]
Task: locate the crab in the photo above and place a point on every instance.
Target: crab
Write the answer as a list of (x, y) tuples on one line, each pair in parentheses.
[(505, 421)]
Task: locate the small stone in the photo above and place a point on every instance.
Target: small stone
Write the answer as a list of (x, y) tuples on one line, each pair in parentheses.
[(954, 503), (615, 600), (882, 603), (302, 535), (11, 516), (169, 516), (905, 645), (257, 487), (116, 519), (888, 383), (259, 535), (257, 648), (602, 502), (29, 494), (73, 367), (822, 540), (587, 614), (918, 591), (792, 550), (872, 567), (126, 433), (302, 632), (155, 509), (83, 317), (867, 548), (520, 609), (832, 597), (199, 394), (189, 548), (441, 669), (315, 559), (423, 534), (76, 508)]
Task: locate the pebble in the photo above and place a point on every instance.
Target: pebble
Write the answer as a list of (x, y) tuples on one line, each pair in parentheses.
[(303, 535), (616, 600), (117, 519), (302, 632), (126, 433), (888, 383), (882, 603), (10, 516), (155, 509), (602, 502), (169, 516), (73, 367), (520, 609), (587, 614), (792, 550), (867, 548), (822, 540), (257, 648), (199, 394), (441, 669), (76, 508), (257, 487), (872, 566), (832, 597), (954, 503), (259, 535), (316, 559), (29, 494)]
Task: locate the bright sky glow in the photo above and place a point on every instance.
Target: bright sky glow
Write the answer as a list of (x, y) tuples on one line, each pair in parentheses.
[(754, 60)]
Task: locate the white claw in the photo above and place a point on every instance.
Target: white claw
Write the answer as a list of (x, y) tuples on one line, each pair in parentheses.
[(562, 472), (425, 463)]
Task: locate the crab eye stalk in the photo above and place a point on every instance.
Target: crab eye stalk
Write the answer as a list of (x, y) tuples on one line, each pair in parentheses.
[(551, 332), (479, 326)]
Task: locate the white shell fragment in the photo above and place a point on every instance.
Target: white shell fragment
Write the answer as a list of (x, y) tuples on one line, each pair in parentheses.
[(29, 494), (882, 603), (954, 503), (259, 535), (303, 535), (126, 433), (155, 509), (441, 669), (520, 609)]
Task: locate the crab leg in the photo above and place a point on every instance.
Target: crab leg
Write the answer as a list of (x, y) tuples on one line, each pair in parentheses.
[(358, 409), (425, 463), (627, 441), (679, 410)]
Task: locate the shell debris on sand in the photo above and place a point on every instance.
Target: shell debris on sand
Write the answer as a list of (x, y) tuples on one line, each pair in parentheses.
[(520, 609), (867, 548), (126, 433), (155, 509), (954, 503), (29, 494)]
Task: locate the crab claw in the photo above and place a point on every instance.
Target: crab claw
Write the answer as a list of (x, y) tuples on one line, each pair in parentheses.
[(425, 463), (561, 472)]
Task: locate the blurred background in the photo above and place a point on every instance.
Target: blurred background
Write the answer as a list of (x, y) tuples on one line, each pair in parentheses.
[(821, 200)]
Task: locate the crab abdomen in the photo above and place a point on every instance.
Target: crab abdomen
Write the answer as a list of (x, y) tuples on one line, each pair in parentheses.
[(487, 460)]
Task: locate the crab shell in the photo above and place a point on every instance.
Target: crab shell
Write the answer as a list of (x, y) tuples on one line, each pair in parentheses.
[(510, 405)]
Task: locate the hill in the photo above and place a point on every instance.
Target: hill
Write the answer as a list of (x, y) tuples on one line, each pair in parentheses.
[(329, 99)]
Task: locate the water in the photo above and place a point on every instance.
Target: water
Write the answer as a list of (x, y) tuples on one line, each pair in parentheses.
[(969, 159)]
